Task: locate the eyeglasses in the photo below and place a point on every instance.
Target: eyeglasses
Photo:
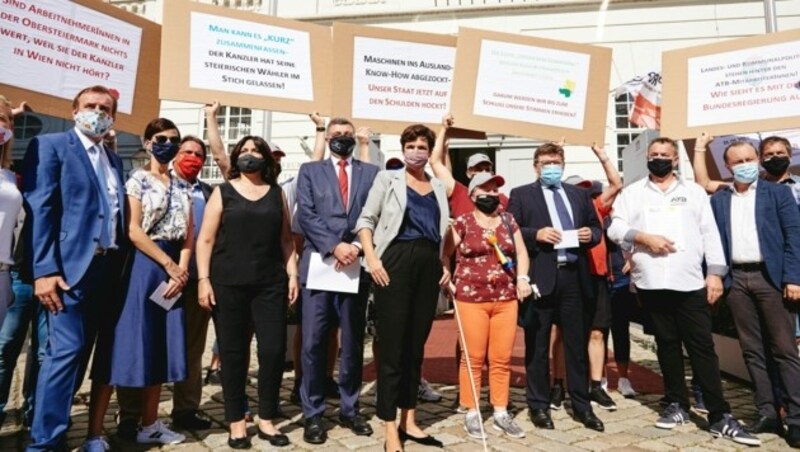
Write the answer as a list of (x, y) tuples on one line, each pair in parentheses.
[(161, 139)]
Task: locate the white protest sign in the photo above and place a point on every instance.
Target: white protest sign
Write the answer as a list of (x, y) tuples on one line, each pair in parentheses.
[(56, 47)]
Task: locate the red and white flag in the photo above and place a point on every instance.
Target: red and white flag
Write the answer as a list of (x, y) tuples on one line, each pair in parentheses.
[(646, 93)]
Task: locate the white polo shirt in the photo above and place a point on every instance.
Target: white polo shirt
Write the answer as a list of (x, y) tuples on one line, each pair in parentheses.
[(682, 213)]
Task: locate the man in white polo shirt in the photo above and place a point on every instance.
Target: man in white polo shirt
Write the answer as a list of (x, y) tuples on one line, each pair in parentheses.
[(668, 228)]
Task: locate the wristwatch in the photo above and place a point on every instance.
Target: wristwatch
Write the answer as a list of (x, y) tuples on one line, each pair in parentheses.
[(320, 128), (524, 278)]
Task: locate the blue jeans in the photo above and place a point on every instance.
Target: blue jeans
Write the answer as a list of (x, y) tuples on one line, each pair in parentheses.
[(25, 309)]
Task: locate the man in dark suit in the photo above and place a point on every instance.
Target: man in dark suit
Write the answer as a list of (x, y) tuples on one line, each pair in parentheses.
[(759, 225), (330, 195), (547, 213), (75, 225)]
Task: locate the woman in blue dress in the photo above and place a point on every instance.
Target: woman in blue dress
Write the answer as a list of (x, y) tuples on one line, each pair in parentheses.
[(143, 343)]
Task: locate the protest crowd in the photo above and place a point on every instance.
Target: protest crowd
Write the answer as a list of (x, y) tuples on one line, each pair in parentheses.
[(132, 272)]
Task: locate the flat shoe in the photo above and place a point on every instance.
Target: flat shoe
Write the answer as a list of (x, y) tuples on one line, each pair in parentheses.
[(276, 440), (426, 440)]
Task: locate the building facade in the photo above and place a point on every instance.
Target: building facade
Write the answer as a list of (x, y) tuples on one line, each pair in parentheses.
[(638, 31)]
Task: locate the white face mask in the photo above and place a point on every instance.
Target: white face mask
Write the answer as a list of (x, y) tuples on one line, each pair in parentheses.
[(93, 123), (5, 135)]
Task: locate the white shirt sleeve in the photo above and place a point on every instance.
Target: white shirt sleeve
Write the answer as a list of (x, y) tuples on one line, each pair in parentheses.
[(712, 243)]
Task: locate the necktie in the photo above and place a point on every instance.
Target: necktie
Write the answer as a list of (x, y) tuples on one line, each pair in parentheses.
[(100, 172), (343, 185), (565, 219)]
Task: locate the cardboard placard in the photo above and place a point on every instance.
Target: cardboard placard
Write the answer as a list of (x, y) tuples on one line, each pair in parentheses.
[(245, 59), (396, 78), (732, 87), (52, 49), (531, 87)]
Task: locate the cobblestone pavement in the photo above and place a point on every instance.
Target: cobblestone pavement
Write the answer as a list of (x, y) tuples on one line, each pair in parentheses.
[(630, 428)]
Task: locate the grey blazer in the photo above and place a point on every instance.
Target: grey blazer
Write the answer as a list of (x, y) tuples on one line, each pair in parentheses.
[(386, 205)]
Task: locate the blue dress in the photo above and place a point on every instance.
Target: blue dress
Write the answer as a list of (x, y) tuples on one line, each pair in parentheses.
[(143, 344)]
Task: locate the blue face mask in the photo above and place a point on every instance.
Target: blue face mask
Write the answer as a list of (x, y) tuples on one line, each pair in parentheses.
[(551, 175), (745, 173)]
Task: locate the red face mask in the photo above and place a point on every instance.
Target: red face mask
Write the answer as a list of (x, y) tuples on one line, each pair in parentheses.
[(189, 165)]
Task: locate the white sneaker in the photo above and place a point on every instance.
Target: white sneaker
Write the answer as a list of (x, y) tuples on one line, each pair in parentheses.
[(625, 388), (95, 444), (426, 393), (158, 433)]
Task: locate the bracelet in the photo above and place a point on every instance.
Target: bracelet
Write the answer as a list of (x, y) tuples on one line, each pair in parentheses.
[(525, 278), (320, 128)]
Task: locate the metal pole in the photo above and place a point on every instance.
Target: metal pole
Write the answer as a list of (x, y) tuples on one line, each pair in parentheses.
[(769, 16)]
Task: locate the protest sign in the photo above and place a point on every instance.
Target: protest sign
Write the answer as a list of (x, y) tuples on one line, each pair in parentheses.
[(531, 87), (396, 77), (737, 86), (245, 59), (52, 49)]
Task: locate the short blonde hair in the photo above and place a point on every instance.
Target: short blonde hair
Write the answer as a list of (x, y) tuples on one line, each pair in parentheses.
[(5, 153)]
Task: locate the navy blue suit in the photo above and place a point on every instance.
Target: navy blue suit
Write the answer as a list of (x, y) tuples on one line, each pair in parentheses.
[(563, 293), (325, 223), (778, 226), (63, 226), (765, 323)]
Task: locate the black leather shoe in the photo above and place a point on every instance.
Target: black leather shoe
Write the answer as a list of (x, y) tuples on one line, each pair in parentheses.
[(357, 424), (276, 440), (765, 425), (314, 432), (426, 440), (191, 420), (793, 436), (239, 443), (541, 419), (589, 420), (557, 396)]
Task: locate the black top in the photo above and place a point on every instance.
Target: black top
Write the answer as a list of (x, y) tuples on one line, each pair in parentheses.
[(421, 219), (247, 249)]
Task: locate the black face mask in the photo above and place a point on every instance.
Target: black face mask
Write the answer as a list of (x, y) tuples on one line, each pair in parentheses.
[(487, 203), (250, 164), (660, 167), (342, 145), (776, 166)]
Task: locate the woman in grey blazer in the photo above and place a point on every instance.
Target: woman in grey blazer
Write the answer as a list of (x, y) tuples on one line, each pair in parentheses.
[(401, 229)]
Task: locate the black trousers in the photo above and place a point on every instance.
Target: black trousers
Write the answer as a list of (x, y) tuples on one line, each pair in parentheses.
[(566, 301), (623, 310), (763, 321), (684, 319), (404, 314), (237, 307)]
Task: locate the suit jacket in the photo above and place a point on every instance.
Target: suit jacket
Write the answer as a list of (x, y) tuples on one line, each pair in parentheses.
[(529, 208), (778, 228), (386, 206), (320, 211), (63, 206)]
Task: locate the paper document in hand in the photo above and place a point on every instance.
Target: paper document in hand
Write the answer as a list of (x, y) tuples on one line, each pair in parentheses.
[(158, 297), (322, 275), (569, 239), (668, 222)]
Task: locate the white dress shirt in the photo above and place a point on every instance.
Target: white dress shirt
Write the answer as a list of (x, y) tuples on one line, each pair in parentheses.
[(681, 270), (551, 209), (745, 248), (111, 181)]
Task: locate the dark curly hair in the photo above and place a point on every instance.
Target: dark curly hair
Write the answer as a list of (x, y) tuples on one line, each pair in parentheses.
[(270, 171)]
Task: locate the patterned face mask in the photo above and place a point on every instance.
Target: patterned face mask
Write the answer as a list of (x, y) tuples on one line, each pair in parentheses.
[(5, 135), (93, 123)]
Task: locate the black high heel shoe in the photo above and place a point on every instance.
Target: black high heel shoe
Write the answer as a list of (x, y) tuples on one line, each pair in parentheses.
[(426, 440)]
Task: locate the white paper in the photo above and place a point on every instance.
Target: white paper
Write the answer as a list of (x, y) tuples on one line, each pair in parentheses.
[(250, 58), (401, 80), (322, 275), (158, 297), (569, 239), (743, 85), (57, 47), (666, 221), (532, 84)]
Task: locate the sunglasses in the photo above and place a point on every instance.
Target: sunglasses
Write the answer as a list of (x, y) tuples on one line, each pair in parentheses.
[(161, 139)]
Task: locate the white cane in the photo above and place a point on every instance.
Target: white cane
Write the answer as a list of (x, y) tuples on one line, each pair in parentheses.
[(469, 370)]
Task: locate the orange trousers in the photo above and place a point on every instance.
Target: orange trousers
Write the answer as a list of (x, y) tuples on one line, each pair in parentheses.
[(489, 329)]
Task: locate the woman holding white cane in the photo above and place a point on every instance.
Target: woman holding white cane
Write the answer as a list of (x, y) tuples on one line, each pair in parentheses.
[(487, 243)]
